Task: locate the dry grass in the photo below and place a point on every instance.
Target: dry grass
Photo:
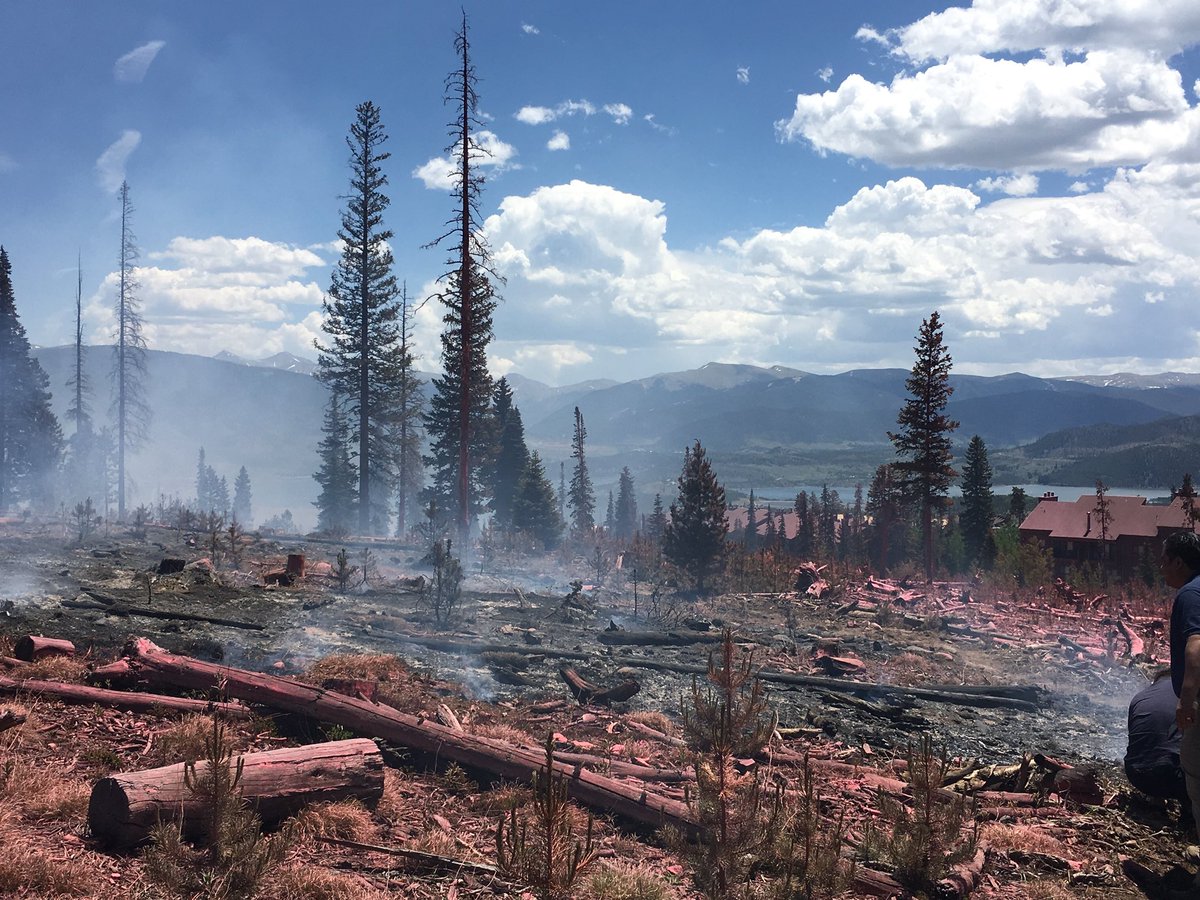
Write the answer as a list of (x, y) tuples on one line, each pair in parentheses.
[(393, 806), (506, 734), (623, 881), (39, 792), (26, 871), (436, 841), (1022, 837), (303, 881), (70, 669), (359, 666), (656, 720), (347, 820), (501, 800)]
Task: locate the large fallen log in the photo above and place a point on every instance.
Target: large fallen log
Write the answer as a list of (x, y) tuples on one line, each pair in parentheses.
[(1009, 696), (137, 702), (277, 783), (360, 716), (657, 638)]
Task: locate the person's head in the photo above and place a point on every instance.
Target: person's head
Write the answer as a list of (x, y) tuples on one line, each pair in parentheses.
[(1180, 558)]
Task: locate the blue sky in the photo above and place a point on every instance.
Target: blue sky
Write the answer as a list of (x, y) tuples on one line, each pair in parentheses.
[(779, 183)]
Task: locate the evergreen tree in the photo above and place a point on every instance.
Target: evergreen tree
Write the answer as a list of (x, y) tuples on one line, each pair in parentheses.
[(977, 502), (130, 411), (657, 526), (1102, 526), (884, 508), (30, 436), (802, 541), (241, 498), (221, 496), (1017, 506), (562, 490), (337, 501), (694, 539), (581, 498), (534, 508), (625, 516), (827, 522), (1187, 499), (923, 441), (204, 484), (457, 416), (362, 363), (511, 454), (751, 536), (406, 427), (610, 522)]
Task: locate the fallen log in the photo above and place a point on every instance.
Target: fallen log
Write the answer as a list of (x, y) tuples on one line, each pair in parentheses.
[(1007, 696), (32, 647), (473, 751), (656, 639), (962, 879), (276, 783), (10, 663), (432, 862), (585, 692), (137, 702), (1135, 647), (114, 673), (124, 610), (654, 733), (433, 642)]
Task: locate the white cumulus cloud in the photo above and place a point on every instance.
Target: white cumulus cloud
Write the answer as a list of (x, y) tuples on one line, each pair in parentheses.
[(496, 155), (1021, 185), (110, 167), (560, 140), (743, 74), (825, 74), (530, 29), (133, 65)]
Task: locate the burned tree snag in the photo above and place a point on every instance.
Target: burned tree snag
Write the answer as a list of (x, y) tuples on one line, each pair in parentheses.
[(124, 807), (585, 692)]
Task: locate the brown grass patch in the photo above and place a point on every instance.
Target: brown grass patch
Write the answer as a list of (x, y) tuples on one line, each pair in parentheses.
[(42, 792), (654, 719), (623, 881), (1022, 837), (347, 820), (359, 666), (70, 669), (505, 734), (393, 806), (501, 799), (303, 881), (435, 841)]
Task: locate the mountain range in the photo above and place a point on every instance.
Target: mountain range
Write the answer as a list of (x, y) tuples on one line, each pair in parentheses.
[(763, 427)]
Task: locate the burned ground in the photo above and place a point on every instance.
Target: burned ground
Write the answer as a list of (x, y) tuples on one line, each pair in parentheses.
[(497, 668)]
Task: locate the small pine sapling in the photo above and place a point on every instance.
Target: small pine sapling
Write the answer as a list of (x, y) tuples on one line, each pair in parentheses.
[(343, 571), (442, 593), (809, 862), (539, 846), (727, 720)]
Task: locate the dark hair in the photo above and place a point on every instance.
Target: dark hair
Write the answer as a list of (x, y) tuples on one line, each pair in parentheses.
[(1184, 546)]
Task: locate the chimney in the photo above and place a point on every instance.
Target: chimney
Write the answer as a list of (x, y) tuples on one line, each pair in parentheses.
[(1088, 530), (1049, 497)]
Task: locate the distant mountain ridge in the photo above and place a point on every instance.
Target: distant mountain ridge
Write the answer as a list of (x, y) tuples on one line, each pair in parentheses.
[(762, 426)]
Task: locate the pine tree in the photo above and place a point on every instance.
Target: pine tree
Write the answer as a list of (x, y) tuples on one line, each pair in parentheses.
[(30, 436), (241, 498), (456, 420), (204, 485), (751, 536), (81, 467), (827, 522), (362, 363), (923, 441), (977, 509), (337, 501), (130, 411), (406, 427), (1103, 521), (884, 508), (694, 539), (581, 497), (802, 541), (511, 456), (562, 490), (657, 525), (1016, 506), (625, 516), (610, 522), (534, 508)]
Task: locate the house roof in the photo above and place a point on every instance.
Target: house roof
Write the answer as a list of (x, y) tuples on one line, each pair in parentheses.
[(737, 518), (1131, 516)]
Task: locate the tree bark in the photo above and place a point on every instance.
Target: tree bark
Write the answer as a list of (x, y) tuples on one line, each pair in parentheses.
[(138, 702), (468, 750), (33, 647), (124, 807)]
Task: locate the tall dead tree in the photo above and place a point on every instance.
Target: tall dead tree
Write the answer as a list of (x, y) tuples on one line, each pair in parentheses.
[(129, 407), (456, 420), (407, 426)]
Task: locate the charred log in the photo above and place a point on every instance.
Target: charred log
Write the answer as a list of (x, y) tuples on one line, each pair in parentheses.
[(138, 702), (585, 692), (31, 648)]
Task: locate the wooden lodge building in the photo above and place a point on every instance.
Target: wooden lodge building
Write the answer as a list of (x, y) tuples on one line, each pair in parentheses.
[(1073, 533)]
